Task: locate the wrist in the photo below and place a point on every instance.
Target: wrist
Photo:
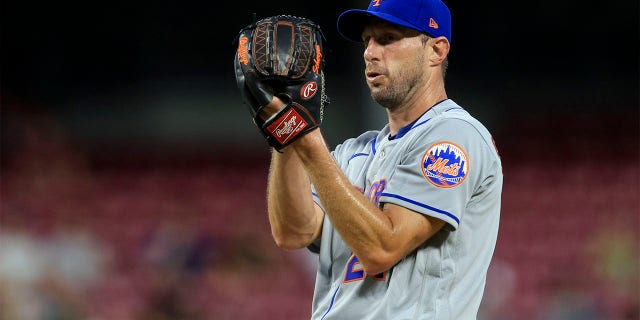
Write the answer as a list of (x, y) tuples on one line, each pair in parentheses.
[(310, 142)]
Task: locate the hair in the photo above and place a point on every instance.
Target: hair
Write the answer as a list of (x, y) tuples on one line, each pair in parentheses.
[(445, 63)]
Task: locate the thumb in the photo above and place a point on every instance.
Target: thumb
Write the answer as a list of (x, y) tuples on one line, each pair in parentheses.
[(262, 92)]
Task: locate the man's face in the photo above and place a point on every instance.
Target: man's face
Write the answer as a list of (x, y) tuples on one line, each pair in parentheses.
[(394, 59)]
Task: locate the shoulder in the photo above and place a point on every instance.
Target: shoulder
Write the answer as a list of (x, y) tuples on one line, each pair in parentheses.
[(359, 144), (451, 119), (453, 125)]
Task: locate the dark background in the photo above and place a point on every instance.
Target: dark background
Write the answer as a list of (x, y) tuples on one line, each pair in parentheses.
[(54, 50), (121, 61)]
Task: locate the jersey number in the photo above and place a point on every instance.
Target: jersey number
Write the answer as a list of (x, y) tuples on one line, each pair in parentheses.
[(375, 191), (356, 273)]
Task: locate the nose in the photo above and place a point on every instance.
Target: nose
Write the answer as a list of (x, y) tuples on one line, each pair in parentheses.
[(370, 50)]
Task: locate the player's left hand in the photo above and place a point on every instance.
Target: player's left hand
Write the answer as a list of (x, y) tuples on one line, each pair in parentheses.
[(281, 58)]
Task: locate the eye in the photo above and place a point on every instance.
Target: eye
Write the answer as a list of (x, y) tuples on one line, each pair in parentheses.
[(384, 38), (388, 38)]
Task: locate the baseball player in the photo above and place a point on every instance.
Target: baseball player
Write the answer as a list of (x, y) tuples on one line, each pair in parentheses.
[(404, 219)]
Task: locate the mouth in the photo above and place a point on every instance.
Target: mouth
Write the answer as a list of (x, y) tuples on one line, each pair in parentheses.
[(373, 76)]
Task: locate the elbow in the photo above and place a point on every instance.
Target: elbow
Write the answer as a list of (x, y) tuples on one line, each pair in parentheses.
[(289, 242), (294, 235), (377, 262)]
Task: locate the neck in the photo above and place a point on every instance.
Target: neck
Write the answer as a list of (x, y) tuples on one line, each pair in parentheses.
[(410, 111)]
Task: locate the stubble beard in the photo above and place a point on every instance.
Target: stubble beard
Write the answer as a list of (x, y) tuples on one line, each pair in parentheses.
[(394, 93)]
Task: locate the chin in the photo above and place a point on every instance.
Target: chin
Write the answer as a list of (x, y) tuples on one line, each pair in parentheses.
[(377, 92)]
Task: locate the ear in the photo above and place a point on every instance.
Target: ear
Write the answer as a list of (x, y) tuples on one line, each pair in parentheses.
[(440, 46)]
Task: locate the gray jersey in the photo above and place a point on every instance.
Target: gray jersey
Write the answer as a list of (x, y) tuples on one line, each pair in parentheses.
[(443, 165)]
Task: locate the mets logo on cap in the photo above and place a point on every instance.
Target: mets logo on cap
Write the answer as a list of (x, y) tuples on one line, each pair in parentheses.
[(445, 164)]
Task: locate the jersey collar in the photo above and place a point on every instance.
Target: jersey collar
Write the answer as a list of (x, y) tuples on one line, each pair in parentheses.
[(409, 126)]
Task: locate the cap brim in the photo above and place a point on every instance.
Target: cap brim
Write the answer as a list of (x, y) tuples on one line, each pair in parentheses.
[(351, 22)]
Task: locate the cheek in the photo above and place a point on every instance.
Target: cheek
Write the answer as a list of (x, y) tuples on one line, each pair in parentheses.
[(410, 54), (409, 64)]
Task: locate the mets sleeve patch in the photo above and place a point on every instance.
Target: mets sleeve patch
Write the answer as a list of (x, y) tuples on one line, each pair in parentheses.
[(445, 164)]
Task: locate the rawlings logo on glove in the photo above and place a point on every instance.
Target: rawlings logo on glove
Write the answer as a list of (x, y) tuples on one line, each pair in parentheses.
[(308, 90)]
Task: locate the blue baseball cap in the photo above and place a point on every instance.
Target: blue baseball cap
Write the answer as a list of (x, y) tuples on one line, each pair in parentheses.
[(429, 16)]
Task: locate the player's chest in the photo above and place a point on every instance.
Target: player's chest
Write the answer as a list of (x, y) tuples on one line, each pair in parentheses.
[(371, 171)]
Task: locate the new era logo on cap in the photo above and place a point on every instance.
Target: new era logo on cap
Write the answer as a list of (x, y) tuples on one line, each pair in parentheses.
[(433, 23)]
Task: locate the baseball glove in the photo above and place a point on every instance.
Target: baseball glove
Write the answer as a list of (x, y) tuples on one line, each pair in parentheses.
[(282, 56)]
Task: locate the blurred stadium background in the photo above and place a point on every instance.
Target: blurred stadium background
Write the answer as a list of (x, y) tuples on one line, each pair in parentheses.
[(133, 182)]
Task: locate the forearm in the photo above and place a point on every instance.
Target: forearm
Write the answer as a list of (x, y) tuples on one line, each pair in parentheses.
[(295, 221), (348, 209)]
